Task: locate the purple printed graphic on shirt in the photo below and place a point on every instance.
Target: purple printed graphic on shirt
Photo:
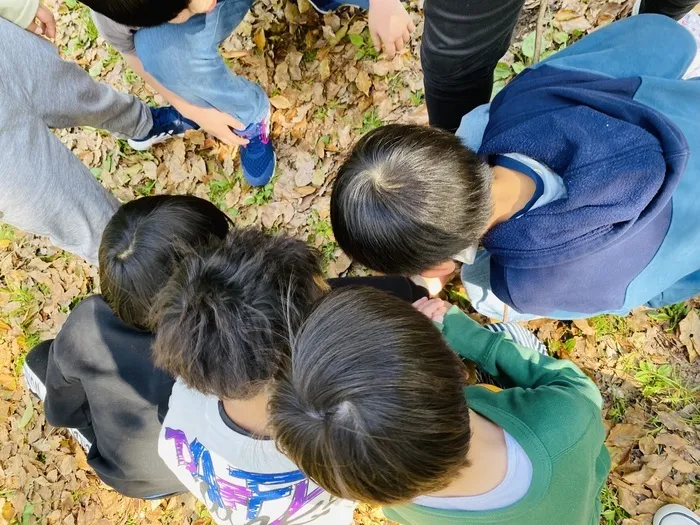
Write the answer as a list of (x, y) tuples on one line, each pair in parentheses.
[(251, 492)]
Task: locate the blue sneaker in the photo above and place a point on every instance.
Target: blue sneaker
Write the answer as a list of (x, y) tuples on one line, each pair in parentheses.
[(258, 156), (326, 6), (167, 122)]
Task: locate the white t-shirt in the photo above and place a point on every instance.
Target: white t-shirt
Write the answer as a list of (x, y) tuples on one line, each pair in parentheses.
[(512, 489), (241, 480)]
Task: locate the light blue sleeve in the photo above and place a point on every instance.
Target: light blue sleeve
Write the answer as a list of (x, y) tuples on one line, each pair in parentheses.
[(471, 129), (642, 45)]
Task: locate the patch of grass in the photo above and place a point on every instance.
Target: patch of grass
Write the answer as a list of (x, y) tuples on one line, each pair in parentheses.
[(321, 234), (146, 188), (455, 294), (7, 232), (218, 189), (260, 195), (417, 97), (327, 250), (618, 409), (364, 45), (557, 347), (321, 113), (612, 513), (370, 121), (21, 294), (670, 315), (310, 55), (609, 325), (129, 76), (662, 383)]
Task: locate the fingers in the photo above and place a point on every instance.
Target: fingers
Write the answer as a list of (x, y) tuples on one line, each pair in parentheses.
[(420, 302), (233, 122), (49, 21), (389, 49), (411, 26), (228, 137), (399, 43), (376, 40)]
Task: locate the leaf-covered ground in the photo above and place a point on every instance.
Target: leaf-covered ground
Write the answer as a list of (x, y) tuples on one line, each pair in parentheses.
[(328, 87)]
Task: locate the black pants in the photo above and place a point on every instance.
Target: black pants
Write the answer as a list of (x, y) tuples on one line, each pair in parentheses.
[(463, 40)]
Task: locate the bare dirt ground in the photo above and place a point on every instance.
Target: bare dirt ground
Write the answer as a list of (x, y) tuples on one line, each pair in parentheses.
[(328, 87)]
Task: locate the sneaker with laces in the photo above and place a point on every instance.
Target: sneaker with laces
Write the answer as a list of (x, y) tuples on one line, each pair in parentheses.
[(34, 371), (326, 6), (167, 122), (675, 515), (258, 156)]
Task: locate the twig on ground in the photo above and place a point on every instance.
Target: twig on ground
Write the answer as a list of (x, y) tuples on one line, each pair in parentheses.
[(539, 31)]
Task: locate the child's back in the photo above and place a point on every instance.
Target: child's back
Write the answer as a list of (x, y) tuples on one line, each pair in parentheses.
[(223, 325), (97, 377), (384, 394)]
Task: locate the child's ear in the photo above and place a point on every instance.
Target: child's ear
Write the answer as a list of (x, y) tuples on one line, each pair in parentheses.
[(441, 270)]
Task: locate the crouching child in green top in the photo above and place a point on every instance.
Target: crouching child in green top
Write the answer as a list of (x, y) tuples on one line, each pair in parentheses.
[(373, 407)]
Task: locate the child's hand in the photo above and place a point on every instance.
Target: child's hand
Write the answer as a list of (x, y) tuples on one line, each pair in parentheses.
[(390, 26), (433, 309), (44, 23), (215, 122)]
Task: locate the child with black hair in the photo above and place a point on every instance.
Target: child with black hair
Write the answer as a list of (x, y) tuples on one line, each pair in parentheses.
[(223, 325), (578, 180), (372, 406), (97, 377)]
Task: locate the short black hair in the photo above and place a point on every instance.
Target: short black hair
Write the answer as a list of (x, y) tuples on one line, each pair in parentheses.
[(223, 319), (410, 197), (372, 406), (143, 242), (139, 13)]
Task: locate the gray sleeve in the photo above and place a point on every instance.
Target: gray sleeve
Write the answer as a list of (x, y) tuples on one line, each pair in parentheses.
[(120, 36)]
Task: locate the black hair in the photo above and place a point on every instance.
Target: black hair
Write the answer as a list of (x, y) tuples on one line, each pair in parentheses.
[(408, 198), (143, 242), (139, 13), (371, 406), (223, 319)]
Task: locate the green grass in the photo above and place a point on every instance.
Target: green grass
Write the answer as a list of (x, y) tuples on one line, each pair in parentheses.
[(364, 45), (261, 195), (218, 189), (662, 383), (7, 232), (618, 409), (612, 513), (670, 315), (609, 325), (146, 188), (417, 97), (370, 121)]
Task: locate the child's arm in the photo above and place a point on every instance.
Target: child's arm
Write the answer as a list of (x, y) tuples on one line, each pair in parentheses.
[(65, 402), (390, 25), (643, 45), (511, 364), (23, 13)]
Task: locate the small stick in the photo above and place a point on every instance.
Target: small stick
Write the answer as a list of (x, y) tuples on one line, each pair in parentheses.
[(540, 30)]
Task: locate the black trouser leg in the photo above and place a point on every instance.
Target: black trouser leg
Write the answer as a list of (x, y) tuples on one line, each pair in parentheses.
[(676, 9), (462, 43), (398, 286)]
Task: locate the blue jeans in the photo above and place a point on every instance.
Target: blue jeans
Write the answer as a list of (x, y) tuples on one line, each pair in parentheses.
[(185, 59)]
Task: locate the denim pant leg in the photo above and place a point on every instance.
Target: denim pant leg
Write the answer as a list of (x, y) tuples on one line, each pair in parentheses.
[(185, 59)]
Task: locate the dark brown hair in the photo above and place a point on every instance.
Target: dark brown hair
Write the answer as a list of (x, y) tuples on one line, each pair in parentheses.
[(143, 242), (408, 198), (372, 406), (223, 319)]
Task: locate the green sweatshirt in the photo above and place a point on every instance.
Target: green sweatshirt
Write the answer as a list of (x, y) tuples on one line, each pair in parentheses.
[(21, 12), (552, 410)]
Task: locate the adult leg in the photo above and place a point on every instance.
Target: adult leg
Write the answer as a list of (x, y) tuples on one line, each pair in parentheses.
[(676, 9), (462, 43), (185, 59), (44, 188), (61, 93)]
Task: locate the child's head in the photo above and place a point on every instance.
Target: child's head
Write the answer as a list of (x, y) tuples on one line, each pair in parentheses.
[(223, 319), (409, 198), (149, 13), (143, 242), (371, 406)]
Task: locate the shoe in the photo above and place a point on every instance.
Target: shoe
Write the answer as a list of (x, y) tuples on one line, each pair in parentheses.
[(675, 515), (258, 156), (34, 370), (326, 6), (167, 122)]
